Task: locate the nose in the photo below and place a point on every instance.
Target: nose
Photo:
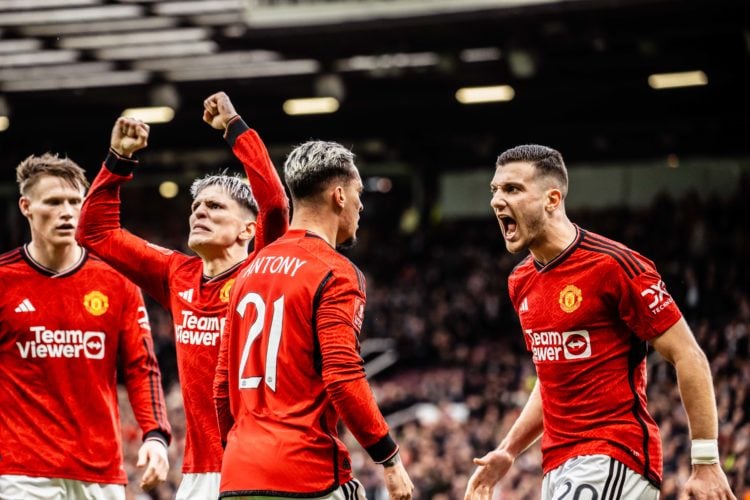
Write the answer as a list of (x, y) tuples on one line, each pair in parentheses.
[(199, 212), (497, 201), (67, 210)]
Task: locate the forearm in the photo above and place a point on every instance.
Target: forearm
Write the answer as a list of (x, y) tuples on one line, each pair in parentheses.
[(355, 404), (697, 391), (527, 428), (265, 183)]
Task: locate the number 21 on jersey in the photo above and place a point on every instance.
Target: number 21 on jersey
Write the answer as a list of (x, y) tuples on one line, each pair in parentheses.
[(274, 338)]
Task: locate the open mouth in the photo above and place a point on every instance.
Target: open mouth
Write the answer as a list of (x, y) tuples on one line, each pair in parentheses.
[(508, 225), (65, 227)]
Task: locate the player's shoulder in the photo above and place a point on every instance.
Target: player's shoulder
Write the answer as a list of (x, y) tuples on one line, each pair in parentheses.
[(103, 271), (349, 271), (328, 259), (525, 266), (607, 252), (11, 257)]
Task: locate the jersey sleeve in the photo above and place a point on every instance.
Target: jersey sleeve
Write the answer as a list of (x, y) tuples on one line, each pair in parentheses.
[(642, 298), (338, 322), (221, 382), (140, 367), (273, 219), (99, 230)]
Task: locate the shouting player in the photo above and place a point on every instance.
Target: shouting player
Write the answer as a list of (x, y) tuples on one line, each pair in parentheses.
[(289, 366), (195, 289), (65, 319), (589, 307)]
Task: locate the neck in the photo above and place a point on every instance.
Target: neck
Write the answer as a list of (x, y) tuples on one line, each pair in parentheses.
[(215, 264), (57, 258), (558, 236), (309, 220)]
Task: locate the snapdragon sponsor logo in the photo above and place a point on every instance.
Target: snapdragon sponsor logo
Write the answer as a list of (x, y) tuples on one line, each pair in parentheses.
[(554, 346), (199, 330), (70, 344)]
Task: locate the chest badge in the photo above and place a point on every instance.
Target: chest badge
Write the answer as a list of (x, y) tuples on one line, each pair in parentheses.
[(96, 302), (570, 298), (224, 292)]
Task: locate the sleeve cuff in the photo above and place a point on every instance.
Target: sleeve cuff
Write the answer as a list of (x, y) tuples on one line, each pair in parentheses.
[(235, 128), (119, 164), (157, 435), (382, 450)]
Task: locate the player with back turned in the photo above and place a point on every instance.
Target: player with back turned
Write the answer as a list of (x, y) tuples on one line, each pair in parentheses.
[(589, 307), (225, 218), (289, 366), (66, 319)]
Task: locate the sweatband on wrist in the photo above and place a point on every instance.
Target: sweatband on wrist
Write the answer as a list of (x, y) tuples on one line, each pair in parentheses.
[(704, 451)]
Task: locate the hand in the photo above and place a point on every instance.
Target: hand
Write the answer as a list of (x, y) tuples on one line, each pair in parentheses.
[(707, 482), (492, 467), (153, 456), (218, 110), (397, 482), (128, 136)]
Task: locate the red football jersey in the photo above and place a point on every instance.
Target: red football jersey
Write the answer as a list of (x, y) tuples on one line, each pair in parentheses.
[(60, 336), (290, 366), (587, 316), (197, 303)]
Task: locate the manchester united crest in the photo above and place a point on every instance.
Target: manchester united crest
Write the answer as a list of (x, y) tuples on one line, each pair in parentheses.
[(224, 293), (96, 302), (570, 298)]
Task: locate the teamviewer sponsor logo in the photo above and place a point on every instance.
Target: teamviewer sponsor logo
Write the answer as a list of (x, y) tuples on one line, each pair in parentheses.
[(93, 345), (69, 344), (554, 346), (198, 330), (576, 345)]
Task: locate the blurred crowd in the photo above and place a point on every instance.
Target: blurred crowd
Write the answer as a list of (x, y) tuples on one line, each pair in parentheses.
[(462, 373)]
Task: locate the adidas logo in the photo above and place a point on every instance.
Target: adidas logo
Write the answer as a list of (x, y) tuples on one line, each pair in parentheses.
[(187, 295), (25, 306), (524, 306)]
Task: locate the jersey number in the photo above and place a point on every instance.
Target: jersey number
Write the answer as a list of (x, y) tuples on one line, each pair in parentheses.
[(254, 332)]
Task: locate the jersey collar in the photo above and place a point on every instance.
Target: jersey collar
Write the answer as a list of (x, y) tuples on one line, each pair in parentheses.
[(562, 255)]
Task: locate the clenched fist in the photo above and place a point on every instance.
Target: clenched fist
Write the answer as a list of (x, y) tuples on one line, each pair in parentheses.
[(128, 136), (218, 110)]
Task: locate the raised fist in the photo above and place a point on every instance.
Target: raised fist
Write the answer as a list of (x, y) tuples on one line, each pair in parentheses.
[(128, 136), (218, 110)]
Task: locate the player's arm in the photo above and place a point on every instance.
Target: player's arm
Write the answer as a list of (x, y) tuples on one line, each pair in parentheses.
[(143, 383), (247, 146), (678, 346), (344, 377), (99, 227), (221, 382), (494, 465)]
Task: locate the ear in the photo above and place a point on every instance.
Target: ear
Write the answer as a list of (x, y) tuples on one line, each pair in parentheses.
[(248, 232), (554, 200), (339, 196), (23, 204)]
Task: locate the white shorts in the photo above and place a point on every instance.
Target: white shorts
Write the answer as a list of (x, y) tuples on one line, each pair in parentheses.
[(352, 490), (199, 486), (27, 487), (596, 477)]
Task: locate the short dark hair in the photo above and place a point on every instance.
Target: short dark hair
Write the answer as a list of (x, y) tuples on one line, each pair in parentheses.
[(547, 161), (312, 165), (30, 170)]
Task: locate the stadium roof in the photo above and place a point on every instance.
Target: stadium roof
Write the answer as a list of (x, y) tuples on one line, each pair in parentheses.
[(578, 73)]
